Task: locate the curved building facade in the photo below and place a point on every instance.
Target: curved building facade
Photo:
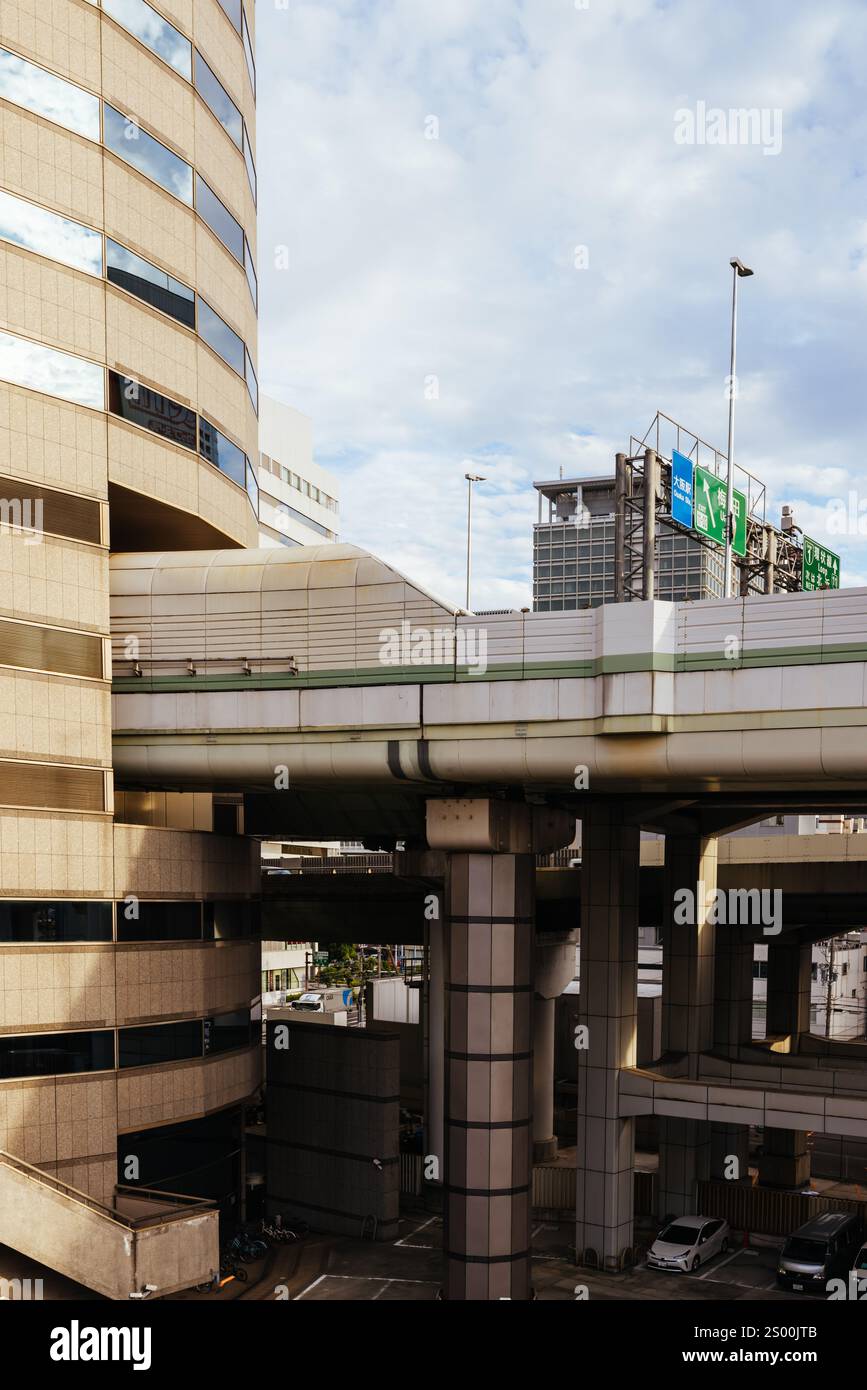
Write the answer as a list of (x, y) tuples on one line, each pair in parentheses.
[(128, 421)]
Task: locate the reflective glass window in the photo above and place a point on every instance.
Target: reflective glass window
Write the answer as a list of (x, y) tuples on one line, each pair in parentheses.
[(252, 489), (49, 234), (155, 32), (251, 167), (46, 369), (224, 1032), (250, 272), (219, 336), (49, 96), (219, 219), (248, 52), (215, 96), (141, 406), (222, 453), (149, 156), (252, 383), (136, 275), (233, 11)]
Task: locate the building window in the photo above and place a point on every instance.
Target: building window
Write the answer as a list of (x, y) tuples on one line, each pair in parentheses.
[(248, 52), (125, 138), (153, 31), (38, 368), (251, 167), (160, 921), (232, 10), (147, 282), (218, 101), (220, 220), (219, 336), (225, 1032), (222, 453), (158, 1043), (61, 921), (56, 1054), (41, 92), (49, 234), (142, 406)]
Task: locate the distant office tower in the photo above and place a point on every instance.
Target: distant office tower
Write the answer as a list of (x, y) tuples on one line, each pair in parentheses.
[(573, 551), (298, 499), (128, 422)]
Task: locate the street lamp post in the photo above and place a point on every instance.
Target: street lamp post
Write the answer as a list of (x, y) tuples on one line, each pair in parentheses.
[(471, 478), (739, 270)]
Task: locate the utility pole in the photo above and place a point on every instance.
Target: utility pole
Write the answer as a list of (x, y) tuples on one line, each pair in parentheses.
[(829, 996), (471, 478), (739, 271)]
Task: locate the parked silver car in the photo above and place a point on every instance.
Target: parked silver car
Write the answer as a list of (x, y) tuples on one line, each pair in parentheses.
[(688, 1242)]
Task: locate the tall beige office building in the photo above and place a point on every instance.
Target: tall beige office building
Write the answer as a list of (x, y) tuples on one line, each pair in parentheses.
[(128, 421)]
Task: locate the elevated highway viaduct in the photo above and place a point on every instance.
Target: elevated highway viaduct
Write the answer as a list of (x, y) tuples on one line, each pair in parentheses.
[(345, 702)]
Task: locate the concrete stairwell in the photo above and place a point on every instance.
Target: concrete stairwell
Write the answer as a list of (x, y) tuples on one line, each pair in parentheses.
[(146, 1242)]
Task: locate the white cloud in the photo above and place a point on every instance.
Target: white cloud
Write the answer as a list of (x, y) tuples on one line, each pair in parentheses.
[(411, 258)]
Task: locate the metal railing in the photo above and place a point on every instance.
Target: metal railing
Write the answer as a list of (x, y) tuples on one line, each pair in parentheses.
[(185, 1204)]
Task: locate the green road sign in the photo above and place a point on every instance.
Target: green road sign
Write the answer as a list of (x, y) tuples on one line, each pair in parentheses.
[(820, 567), (709, 510), (320, 957)]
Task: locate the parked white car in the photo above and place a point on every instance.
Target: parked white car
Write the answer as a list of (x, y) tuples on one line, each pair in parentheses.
[(689, 1242)]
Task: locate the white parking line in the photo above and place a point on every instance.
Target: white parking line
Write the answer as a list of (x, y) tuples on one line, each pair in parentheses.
[(404, 1240), (715, 1268), (309, 1287)]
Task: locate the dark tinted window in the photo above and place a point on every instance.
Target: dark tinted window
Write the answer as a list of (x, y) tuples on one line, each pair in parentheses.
[(227, 1031), (220, 451), (219, 219), (228, 920), (148, 282), (160, 1042), (127, 140), (142, 406), (45, 921), (56, 1054), (159, 921)]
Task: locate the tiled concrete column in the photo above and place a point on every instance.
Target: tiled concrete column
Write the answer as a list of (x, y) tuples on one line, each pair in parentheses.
[(785, 1161), (489, 848), (489, 943), (687, 1010), (732, 1028), (608, 1010), (688, 948)]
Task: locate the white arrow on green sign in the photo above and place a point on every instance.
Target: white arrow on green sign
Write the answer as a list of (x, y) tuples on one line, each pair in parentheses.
[(709, 510)]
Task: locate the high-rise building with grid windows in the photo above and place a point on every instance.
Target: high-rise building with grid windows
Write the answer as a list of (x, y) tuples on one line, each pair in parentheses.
[(573, 551)]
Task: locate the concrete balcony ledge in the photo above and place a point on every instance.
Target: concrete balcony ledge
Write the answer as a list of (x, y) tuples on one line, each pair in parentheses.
[(152, 1243)]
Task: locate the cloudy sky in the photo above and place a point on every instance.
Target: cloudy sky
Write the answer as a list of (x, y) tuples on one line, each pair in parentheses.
[(428, 173)]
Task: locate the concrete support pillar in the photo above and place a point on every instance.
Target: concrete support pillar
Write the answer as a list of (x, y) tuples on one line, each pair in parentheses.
[(489, 939), (544, 1139), (732, 1028), (436, 1044), (789, 988), (684, 1161), (555, 967), (785, 1161), (688, 946), (608, 1011)]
